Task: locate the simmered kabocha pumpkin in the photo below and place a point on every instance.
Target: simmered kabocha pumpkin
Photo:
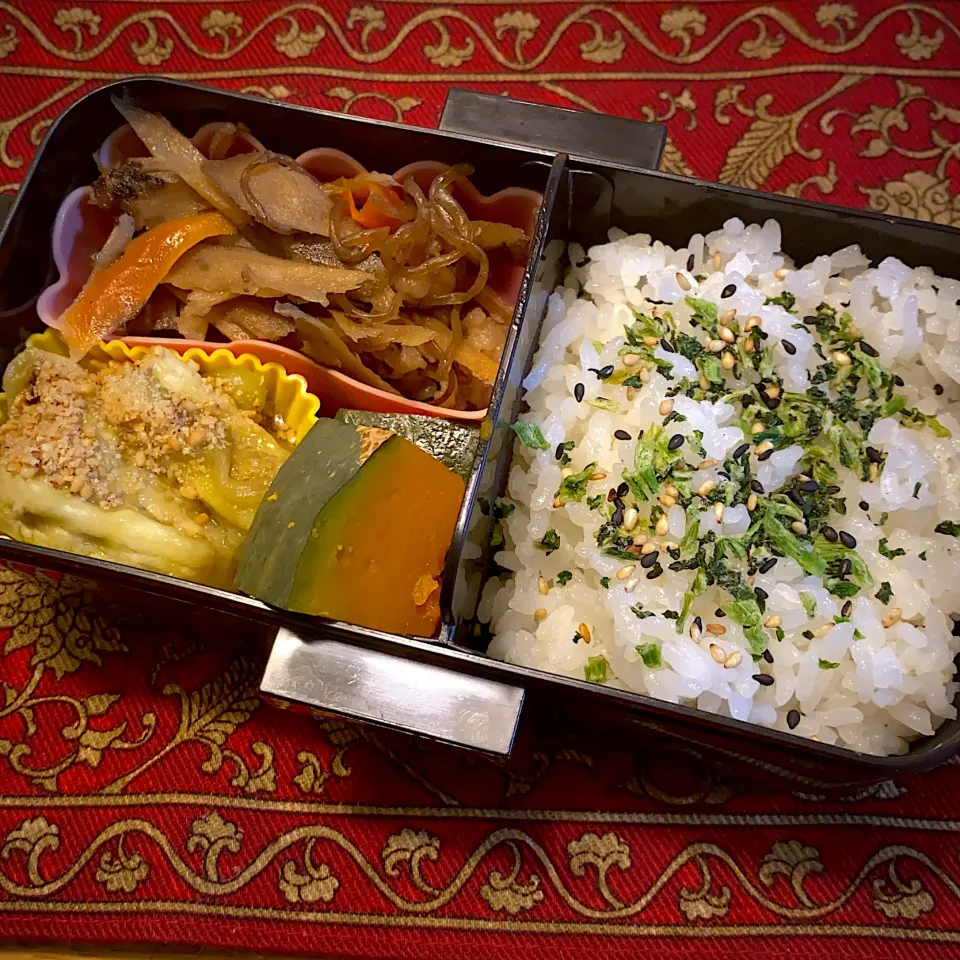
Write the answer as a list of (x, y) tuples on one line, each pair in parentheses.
[(355, 527)]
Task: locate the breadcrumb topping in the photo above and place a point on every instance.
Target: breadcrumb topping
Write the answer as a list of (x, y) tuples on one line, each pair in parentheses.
[(77, 427)]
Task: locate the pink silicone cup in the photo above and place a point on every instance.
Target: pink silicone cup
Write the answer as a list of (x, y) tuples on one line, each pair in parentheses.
[(81, 228)]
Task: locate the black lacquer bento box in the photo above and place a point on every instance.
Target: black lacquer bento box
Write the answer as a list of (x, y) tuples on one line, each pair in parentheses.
[(594, 173)]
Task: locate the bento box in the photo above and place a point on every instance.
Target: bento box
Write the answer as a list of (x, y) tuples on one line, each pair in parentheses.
[(594, 174)]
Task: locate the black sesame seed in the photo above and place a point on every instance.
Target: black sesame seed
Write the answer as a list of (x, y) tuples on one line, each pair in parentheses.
[(938, 389), (690, 263), (623, 489), (864, 505), (830, 534), (756, 486), (846, 567), (751, 571), (832, 489), (667, 345), (767, 565), (604, 372), (898, 380), (698, 623), (728, 291), (578, 392), (617, 517), (848, 540), (809, 486), (676, 442), (767, 655), (867, 349), (846, 608), (739, 452), (795, 497), (583, 262), (810, 321), (789, 347), (874, 455), (766, 455), (655, 572), (621, 435), (648, 560), (719, 613), (611, 495), (771, 402), (764, 679), (560, 451), (793, 719), (761, 594), (724, 474)]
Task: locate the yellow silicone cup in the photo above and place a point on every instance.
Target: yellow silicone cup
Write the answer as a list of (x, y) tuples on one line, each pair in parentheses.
[(287, 394)]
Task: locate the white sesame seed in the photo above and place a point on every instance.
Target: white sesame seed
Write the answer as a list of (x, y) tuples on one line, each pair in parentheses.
[(566, 472), (644, 375), (706, 487), (540, 614), (752, 502), (762, 448), (630, 518), (841, 359), (663, 525), (718, 512), (624, 572), (682, 281), (599, 475), (773, 622), (706, 464), (670, 490), (631, 585), (727, 334), (757, 427), (640, 539), (665, 406), (733, 661), (716, 260), (584, 632), (798, 527), (753, 321), (892, 617), (717, 629), (726, 317), (874, 471), (629, 359), (781, 274), (543, 586), (667, 501), (717, 652), (648, 548), (727, 361), (651, 341), (704, 382), (824, 630)]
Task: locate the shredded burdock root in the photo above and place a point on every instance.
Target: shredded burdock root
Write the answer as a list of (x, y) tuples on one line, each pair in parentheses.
[(423, 317)]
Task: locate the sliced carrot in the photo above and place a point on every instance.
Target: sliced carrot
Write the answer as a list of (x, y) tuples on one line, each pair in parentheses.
[(377, 201), (117, 293)]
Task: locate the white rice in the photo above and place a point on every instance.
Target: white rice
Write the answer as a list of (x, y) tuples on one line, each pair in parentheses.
[(892, 683)]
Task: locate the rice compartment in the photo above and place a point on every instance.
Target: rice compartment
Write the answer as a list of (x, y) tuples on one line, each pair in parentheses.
[(735, 487)]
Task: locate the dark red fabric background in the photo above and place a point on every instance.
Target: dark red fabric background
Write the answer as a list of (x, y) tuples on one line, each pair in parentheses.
[(147, 794)]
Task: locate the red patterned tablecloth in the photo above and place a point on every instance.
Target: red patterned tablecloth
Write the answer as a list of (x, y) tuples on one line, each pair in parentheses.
[(146, 794)]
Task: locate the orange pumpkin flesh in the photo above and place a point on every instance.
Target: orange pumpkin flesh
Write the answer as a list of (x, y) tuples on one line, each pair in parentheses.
[(379, 542)]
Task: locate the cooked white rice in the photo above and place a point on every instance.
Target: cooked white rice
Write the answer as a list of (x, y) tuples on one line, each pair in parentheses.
[(872, 681)]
